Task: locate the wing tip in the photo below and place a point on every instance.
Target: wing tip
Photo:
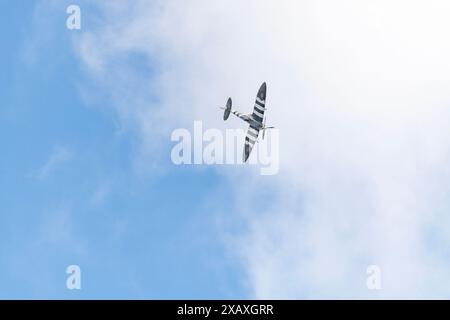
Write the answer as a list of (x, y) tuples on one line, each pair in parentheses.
[(262, 91)]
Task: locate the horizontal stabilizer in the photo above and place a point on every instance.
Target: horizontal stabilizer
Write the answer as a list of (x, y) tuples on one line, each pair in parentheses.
[(226, 114)]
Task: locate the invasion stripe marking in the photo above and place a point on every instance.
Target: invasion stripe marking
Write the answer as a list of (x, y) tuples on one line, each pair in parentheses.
[(251, 139), (249, 133), (257, 119), (257, 112), (259, 102), (260, 109), (253, 130)]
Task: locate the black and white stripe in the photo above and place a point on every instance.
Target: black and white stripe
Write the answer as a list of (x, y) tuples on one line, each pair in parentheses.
[(258, 116), (238, 114), (250, 140), (258, 110)]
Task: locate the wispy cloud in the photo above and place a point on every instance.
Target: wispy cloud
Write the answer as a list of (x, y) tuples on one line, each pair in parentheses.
[(100, 194), (359, 92), (58, 157)]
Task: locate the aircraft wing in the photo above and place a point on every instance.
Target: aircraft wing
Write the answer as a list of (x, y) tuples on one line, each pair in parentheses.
[(260, 103), (258, 116), (240, 115), (250, 140)]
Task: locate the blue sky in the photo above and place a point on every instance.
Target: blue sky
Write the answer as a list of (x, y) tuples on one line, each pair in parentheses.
[(69, 191), (357, 89)]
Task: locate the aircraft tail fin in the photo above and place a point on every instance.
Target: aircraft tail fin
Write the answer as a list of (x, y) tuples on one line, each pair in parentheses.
[(226, 114)]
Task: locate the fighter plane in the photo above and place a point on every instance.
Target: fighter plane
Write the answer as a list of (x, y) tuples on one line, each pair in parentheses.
[(256, 120)]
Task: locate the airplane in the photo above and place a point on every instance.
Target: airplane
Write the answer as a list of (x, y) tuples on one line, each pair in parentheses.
[(256, 120)]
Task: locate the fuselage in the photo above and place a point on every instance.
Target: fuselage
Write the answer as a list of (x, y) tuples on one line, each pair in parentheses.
[(249, 119)]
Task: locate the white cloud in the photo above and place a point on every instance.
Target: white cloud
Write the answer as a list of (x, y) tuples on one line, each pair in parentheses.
[(359, 92), (100, 194), (58, 156)]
